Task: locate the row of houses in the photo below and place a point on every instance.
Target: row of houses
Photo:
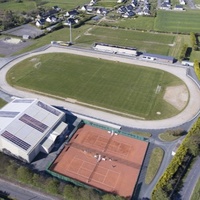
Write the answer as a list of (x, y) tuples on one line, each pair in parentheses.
[(139, 8), (166, 5)]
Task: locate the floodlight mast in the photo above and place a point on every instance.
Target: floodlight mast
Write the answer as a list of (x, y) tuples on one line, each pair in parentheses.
[(70, 32)]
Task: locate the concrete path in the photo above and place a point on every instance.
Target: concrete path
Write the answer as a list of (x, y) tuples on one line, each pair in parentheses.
[(187, 114)]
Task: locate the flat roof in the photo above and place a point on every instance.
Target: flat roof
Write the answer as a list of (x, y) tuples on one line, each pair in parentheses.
[(29, 121), (159, 56)]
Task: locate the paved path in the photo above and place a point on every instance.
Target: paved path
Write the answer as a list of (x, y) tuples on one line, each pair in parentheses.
[(190, 181), (22, 193), (188, 113)]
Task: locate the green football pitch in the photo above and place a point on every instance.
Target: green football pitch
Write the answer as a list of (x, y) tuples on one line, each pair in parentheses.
[(117, 86)]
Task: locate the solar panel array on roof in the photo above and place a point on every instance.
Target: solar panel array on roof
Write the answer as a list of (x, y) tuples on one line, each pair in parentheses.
[(23, 101), (48, 108), (33, 123), (12, 138), (8, 114)]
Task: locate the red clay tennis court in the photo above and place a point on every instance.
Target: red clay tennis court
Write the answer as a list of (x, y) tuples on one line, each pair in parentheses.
[(102, 159)]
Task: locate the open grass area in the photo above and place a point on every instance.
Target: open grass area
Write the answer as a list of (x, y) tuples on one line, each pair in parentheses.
[(196, 192), (154, 164), (121, 87), (185, 22), (143, 23), (2, 103), (143, 41), (107, 3), (27, 5), (142, 134), (62, 35), (168, 137), (13, 5), (66, 4)]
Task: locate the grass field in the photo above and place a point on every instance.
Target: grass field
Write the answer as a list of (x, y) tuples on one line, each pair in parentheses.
[(185, 22), (168, 137), (196, 192), (18, 7), (154, 164), (2, 103), (143, 23), (117, 86), (27, 5), (66, 4), (143, 41)]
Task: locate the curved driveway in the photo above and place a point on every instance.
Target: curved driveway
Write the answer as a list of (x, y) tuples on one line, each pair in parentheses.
[(187, 114)]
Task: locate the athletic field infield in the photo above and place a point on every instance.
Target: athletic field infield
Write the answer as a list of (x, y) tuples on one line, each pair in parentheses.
[(129, 89)]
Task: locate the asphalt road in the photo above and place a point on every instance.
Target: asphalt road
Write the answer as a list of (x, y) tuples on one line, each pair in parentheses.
[(190, 181), (20, 193), (187, 114)]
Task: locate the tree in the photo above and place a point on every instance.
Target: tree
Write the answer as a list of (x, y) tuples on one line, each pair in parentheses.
[(52, 185), (68, 192), (24, 174)]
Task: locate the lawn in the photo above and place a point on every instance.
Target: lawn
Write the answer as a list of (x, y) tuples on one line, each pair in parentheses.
[(142, 23), (168, 137), (184, 22), (143, 41), (66, 4), (121, 87), (18, 7), (2, 103), (154, 164), (27, 5), (196, 192)]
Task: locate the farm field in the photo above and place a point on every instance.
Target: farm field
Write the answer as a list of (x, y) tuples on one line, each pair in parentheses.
[(121, 87), (27, 5), (66, 4), (184, 22), (143, 23), (18, 7), (143, 41)]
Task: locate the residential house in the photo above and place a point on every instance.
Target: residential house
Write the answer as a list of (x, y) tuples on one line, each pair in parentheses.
[(52, 19), (122, 10), (92, 2), (102, 11), (182, 2), (70, 21), (120, 1), (40, 22), (90, 9), (56, 8), (71, 13), (84, 8), (165, 6), (129, 8), (179, 8)]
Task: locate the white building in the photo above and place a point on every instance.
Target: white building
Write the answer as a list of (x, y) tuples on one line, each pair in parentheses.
[(29, 126)]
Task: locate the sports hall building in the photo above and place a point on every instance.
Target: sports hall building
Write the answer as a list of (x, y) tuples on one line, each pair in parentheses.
[(29, 126)]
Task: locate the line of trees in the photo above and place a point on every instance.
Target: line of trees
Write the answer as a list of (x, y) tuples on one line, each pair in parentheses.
[(197, 68), (14, 170), (189, 147), (194, 41), (183, 52)]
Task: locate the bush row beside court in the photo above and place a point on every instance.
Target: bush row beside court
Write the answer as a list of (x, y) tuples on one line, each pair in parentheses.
[(176, 169), (15, 171)]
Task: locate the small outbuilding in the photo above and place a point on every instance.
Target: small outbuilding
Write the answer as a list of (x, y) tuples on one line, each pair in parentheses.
[(158, 58)]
